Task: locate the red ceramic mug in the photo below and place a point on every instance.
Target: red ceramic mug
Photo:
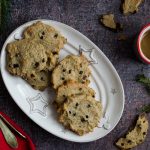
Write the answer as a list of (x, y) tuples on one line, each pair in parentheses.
[(139, 51)]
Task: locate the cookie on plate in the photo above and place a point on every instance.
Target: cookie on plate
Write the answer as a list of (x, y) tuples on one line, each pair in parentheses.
[(71, 68), (38, 80), (28, 59), (49, 37), (70, 89), (81, 114), (25, 55), (136, 136)]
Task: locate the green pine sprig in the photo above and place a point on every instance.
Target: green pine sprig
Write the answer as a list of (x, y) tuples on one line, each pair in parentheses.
[(144, 80), (4, 11), (145, 108)]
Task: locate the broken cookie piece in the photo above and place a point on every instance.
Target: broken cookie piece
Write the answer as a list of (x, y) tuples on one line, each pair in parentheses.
[(131, 6), (109, 22), (136, 136)]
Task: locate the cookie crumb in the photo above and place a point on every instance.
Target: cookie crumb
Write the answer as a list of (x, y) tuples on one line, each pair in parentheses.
[(131, 6), (122, 37), (108, 21)]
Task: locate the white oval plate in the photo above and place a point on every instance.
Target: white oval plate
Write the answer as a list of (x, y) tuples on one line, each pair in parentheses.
[(38, 106)]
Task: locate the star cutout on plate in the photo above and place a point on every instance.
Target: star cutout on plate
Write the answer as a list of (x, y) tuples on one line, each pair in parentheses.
[(113, 91), (38, 104), (91, 54)]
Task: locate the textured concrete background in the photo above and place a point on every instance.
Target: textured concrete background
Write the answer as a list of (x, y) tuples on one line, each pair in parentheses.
[(83, 16)]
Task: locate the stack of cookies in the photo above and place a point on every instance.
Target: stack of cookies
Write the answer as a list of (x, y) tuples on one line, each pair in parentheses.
[(36, 55), (35, 59), (75, 101)]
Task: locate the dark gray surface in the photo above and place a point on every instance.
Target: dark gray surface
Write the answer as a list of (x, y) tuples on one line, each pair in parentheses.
[(83, 16)]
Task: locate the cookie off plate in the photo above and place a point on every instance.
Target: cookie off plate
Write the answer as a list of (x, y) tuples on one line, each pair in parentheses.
[(38, 105)]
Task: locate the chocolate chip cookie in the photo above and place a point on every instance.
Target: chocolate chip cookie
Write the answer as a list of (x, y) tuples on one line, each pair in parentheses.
[(71, 68), (136, 136), (81, 114), (70, 89)]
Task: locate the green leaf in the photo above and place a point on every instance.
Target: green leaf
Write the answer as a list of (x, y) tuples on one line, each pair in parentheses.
[(141, 78), (144, 80), (145, 108)]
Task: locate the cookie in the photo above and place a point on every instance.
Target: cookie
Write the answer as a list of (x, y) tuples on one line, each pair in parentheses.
[(81, 114), (28, 59), (70, 89), (71, 68), (136, 136), (38, 80), (50, 38), (24, 56)]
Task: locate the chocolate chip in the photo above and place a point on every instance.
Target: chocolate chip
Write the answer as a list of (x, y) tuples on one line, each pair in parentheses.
[(93, 96), (9, 65), (64, 96), (144, 133), (88, 106), (15, 65), (36, 64), (141, 140), (65, 99), (80, 72), (122, 144), (42, 78), (69, 112), (56, 35), (144, 121), (84, 77), (87, 116), (63, 78), (69, 71), (139, 126), (129, 141), (55, 53), (17, 55), (77, 104), (32, 75), (43, 60), (80, 89), (74, 114), (48, 60), (64, 70), (41, 37), (43, 33), (82, 82), (83, 120)]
